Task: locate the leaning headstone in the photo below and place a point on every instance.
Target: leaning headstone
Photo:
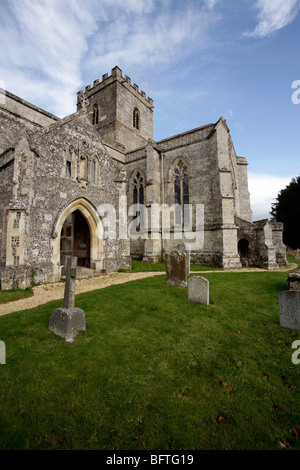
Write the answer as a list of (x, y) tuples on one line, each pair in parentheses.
[(176, 269), (297, 255), (68, 320), (198, 290), (289, 309), (181, 247)]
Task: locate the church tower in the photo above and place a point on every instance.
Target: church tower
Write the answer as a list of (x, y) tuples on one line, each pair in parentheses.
[(122, 115)]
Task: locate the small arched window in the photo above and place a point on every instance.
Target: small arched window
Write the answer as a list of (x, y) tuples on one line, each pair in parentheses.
[(95, 114), (94, 171), (181, 192), (69, 163), (136, 118)]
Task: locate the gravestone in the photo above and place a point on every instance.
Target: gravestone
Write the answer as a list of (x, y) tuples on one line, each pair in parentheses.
[(68, 320), (2, 353), (176, 268), (289, 309), (294, 280), (198, 290), (180, 246)]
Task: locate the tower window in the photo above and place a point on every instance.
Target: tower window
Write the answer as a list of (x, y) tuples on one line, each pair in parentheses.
[(136, 118), (95, 114)]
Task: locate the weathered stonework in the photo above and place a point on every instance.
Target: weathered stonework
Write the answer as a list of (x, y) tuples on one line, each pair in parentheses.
[(55, 173), (260, 243), (176, 268), (198, 290)]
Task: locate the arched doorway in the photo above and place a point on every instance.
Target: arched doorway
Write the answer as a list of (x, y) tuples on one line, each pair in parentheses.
[(92, 219), (243, 251), (75, 239)]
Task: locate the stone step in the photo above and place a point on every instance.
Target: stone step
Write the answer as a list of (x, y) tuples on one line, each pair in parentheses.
[(87, 273)]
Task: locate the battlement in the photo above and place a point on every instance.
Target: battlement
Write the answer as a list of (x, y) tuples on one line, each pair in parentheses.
[(116, 75)]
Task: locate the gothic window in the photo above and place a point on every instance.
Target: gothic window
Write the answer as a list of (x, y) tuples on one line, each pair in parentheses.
[(181, 192), (138, 189), (138, 195), (136, 118), (95, 114)]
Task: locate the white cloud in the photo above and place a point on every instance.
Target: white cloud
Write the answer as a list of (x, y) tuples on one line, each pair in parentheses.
[(44, 43), (264, 190), (48, 46), (274, 15), (151, 40), (210, 3)]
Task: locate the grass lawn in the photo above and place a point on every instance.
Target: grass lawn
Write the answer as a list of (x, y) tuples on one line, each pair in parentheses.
[(291, 258), (14, 294), (140, 267), (155, 371)]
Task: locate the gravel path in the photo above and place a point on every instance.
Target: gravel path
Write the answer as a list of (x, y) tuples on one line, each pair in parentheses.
[(46, 292)]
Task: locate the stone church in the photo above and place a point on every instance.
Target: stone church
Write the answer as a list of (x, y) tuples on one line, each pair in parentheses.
[(60, 177)]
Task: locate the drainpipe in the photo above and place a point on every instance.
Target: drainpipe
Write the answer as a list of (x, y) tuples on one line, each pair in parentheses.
[(163, 202)]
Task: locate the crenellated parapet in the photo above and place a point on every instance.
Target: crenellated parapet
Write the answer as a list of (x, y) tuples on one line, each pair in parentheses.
[(116, 75), (121, 113)]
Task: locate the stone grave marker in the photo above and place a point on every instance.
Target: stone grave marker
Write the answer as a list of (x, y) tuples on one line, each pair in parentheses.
[(180, 246), (176, 268), (294, 280), (198, 290), (289, 309), (2, 353), (188, 262), (68, 320)]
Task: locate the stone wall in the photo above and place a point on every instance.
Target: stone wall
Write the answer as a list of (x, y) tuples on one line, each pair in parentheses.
[(46, 192), (16, 116), (265, 246), (6, 184), (25, 111), (212, 170)]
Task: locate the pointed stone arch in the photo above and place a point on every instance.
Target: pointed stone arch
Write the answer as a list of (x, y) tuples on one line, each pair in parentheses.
[(95, 225), (137, 181), (179, 189), (245, 250)]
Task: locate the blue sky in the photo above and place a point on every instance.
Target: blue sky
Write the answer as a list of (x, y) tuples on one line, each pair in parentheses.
[(197, 59)]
